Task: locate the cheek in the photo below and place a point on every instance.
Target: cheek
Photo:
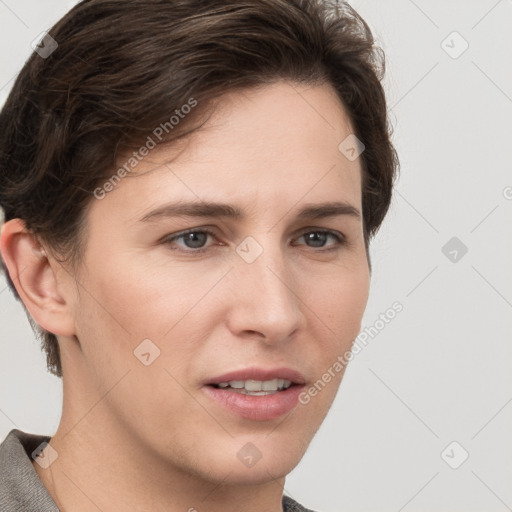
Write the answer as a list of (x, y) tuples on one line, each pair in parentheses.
[(135, 301), (131, 302), (111, 327), (343, 301), (112, 318), (340, 305), (347, 307)]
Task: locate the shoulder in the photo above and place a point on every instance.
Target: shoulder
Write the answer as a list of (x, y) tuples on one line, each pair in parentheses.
[(20, 486), (290, 505)]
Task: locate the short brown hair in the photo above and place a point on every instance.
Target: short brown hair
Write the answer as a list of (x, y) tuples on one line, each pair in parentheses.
[(121, 67)]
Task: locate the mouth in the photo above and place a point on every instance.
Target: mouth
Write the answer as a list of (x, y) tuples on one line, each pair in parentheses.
[(255, 393), (257, 380), (255, 387)]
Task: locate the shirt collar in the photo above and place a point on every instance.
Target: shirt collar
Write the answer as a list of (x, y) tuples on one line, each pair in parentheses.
[(20, 486)]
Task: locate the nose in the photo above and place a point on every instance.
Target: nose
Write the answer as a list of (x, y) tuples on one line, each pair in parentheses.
[(266, 298)]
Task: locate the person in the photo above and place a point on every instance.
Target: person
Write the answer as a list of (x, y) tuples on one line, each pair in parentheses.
[(189, 192)]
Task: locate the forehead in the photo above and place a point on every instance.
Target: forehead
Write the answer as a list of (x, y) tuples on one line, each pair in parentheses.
[(274, 144)]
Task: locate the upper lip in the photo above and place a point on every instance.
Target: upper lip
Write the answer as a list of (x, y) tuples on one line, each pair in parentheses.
[(262, 374)]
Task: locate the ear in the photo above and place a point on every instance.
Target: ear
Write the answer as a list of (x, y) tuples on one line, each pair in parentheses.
[(36, 279)]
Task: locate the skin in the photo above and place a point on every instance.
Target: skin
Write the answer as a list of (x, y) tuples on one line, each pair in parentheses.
[(136, 437)]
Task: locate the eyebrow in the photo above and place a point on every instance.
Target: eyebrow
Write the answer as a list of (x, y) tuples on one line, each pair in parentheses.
[(223, 210)]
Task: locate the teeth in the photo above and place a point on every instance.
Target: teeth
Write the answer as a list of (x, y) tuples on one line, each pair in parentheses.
[(270, 385), (255, 386)]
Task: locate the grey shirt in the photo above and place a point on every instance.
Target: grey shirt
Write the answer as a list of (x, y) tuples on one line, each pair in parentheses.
[(21, 489)]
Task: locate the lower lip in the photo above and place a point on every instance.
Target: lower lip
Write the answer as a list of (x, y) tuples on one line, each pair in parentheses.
[(257, 408)]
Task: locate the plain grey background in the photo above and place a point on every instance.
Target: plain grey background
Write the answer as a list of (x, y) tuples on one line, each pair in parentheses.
[(433, 386)]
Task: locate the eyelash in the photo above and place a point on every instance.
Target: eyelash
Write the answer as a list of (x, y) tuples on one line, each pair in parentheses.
[(342, 241)]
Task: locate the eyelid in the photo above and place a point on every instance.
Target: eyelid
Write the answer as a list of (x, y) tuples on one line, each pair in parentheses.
[(340, 237), (170, 238)]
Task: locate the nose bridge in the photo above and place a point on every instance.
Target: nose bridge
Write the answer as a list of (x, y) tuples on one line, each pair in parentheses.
[(265, 299)]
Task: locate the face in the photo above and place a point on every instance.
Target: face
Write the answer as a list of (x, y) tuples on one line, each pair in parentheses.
[(265, 295)]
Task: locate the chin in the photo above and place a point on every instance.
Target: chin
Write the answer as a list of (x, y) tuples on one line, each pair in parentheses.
[(261, 473), (258, 460)]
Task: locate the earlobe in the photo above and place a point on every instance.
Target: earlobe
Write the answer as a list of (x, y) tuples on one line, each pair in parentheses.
[(35, 278)]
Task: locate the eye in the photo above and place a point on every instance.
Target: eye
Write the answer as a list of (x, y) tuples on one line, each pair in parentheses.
[(319, 237), (195, 237)]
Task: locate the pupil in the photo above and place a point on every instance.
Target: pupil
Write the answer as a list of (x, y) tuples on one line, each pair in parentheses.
[(189, 237), (313, 237)]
